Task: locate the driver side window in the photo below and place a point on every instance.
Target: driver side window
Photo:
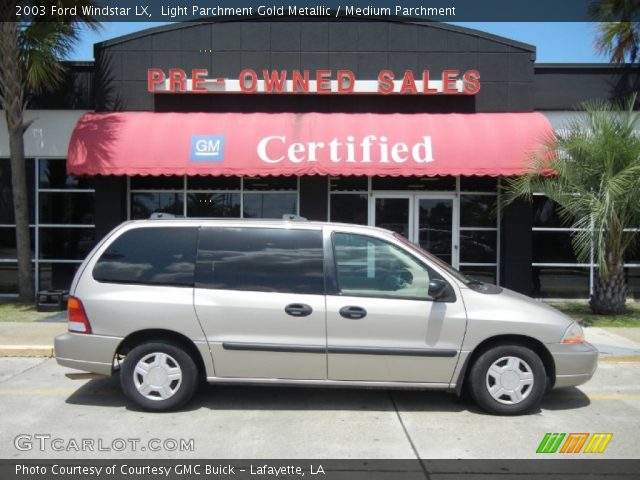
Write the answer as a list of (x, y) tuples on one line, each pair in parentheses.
[(367, 266)]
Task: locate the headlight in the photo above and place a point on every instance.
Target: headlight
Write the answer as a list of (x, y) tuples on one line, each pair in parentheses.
[(573, 334)]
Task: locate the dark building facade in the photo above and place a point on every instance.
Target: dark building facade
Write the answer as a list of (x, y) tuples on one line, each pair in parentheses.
[(524, 247)]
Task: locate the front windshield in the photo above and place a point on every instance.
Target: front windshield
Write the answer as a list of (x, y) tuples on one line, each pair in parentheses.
[(444, 265)]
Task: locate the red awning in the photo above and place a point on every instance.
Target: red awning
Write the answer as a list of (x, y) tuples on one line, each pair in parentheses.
[(141, 143)]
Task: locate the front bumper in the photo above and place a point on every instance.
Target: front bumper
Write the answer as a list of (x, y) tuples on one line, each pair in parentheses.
[(87, 352), (575, 363)]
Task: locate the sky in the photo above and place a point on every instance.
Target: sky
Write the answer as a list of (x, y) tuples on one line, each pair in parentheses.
[(556, 42)]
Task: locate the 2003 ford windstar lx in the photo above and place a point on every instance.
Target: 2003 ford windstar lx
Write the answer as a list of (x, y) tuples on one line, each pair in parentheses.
[(170, 302)]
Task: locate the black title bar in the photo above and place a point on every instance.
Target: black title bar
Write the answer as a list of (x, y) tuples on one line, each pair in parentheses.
[(432, 10), (317, 469)]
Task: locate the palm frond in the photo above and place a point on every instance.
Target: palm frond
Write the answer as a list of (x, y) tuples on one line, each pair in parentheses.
[(596, 186)]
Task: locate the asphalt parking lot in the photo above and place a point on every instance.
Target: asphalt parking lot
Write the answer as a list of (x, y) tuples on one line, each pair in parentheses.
[(37, 399)]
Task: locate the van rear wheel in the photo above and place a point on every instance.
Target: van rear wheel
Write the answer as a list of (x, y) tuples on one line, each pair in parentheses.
[(508, 380), (159, 376)]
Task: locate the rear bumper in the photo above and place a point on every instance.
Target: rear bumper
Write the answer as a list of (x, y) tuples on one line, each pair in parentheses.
[(575, 363), (90, 353)]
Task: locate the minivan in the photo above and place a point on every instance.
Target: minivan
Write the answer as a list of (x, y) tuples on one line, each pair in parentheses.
[(169, 302)]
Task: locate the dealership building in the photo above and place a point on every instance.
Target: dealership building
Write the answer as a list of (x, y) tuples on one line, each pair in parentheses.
[(402, 124)]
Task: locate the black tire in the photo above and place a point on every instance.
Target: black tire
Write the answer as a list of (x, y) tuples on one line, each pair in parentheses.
[(183, 389), (479, 383)]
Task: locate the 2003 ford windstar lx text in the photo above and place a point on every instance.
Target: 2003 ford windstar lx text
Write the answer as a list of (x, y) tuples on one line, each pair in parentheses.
[(170, 302)]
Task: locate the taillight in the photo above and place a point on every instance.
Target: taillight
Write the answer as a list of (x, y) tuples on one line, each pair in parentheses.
[(77, 317)]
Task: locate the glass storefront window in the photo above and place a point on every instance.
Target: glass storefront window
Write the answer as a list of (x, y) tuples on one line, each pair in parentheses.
[(52, 174), (633, 255), (269, 205), (8, 243), (149, 182), (561, 282), (66, 208), (484, 274), (478, 211), (478, 246), (8, 278), (56, 276), (350, 208), (213, 205), (414, 183), (144, 204), (200, 182), (545, 213), (6, 191), (478, 184), (351, 183), (271, 183), (552, 247), (65, 243), (393, 214), (633, 282)]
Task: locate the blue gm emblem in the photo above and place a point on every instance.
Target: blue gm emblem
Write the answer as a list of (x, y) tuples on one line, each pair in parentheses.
[(207, 148)]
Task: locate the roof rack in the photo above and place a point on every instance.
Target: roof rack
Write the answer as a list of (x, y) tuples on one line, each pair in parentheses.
[(290, 217), (163, 216)]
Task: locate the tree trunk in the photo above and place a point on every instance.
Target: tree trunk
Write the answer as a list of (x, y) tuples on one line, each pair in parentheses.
[(13, 103), (609, 295)]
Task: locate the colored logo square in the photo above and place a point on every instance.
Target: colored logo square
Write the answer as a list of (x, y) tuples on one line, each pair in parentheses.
[(207, 148)]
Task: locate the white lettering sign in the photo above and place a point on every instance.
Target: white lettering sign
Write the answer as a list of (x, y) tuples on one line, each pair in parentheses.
[(275, 149)]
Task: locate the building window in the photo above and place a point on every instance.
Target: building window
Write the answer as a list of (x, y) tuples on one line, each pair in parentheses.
[(477, 212), (206, 196), (61, 214), (479, 228), (349, 200), (65, 224), (556, 270)]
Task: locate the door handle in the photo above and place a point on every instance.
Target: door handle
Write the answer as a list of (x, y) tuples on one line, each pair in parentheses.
[(298, 309), (352, 312)]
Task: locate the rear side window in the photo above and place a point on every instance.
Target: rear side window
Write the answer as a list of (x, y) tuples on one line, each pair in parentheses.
[(261, 260), (150, 256)]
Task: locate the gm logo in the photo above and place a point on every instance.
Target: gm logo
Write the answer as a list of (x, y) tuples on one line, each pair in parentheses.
[(573, 442), (207, 148)]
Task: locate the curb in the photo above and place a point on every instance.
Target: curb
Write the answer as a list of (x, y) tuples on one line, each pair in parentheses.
[(26, 351), (619, 359)]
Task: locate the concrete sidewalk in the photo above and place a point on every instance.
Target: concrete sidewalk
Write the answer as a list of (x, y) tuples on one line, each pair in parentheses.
[(35, 339)]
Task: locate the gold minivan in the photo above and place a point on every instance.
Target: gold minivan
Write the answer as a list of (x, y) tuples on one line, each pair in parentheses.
[(169, 302)]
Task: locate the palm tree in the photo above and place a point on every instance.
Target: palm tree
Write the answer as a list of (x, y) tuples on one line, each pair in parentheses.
[(30, 54), (619, 31), (596, 186)]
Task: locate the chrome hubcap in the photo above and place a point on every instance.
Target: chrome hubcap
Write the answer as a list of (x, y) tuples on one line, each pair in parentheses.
[(509, 380), (157, 376)]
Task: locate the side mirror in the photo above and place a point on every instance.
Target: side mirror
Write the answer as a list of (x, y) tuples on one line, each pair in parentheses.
[(437, 288)]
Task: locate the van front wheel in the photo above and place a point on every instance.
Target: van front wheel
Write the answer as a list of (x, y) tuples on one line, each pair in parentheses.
[(508, 380), (159, 376)]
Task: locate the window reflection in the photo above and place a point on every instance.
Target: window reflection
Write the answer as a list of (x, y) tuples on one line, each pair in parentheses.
[(478, 246), (261, 260), (67, 208), (561, 282), (269, 205), (144, 204), (371, 267), (213, 205), (350, 208), (152, 256), (478, 210)]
